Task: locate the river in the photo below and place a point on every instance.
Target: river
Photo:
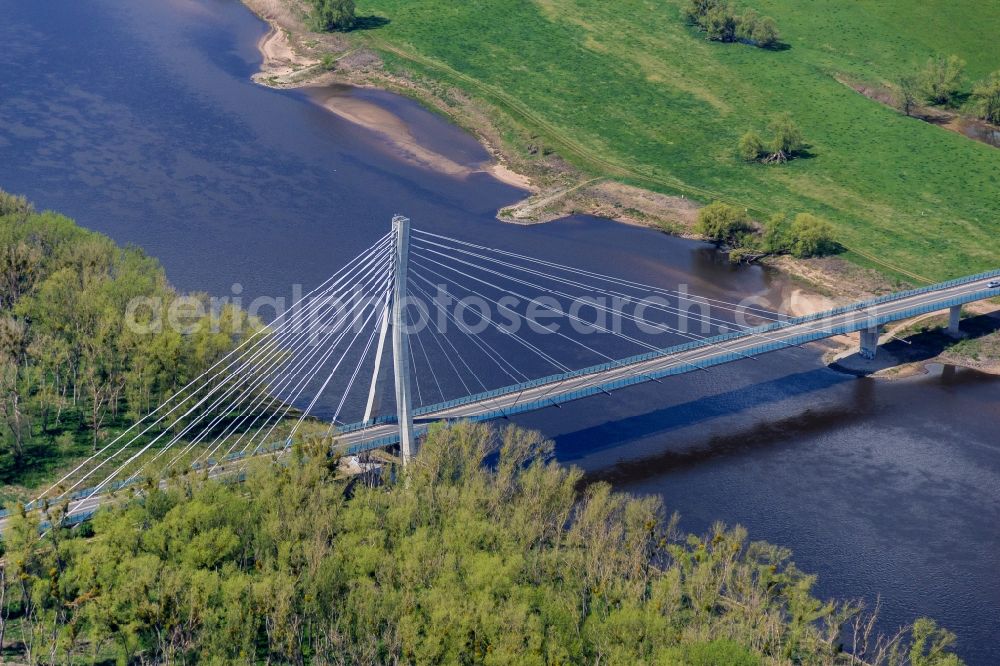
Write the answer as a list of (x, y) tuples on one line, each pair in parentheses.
[(139, 120)]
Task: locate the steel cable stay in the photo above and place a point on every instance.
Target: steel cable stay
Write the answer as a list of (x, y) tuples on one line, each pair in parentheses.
[(639, 321), (277, 358), (357, 369), (770, 314), (488, 350), (252, 345), (270, 395), (120, 469), (591, 288), (306, 412), (430, 366), (668, 309), (541, 354), (436, 335), (558, 311), (563, 335), (272, 419), (313, 346), (482, 317), (276, 422), (273, 359)]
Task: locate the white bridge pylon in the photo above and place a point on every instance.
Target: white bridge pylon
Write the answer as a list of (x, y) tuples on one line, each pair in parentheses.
[(395, 316)]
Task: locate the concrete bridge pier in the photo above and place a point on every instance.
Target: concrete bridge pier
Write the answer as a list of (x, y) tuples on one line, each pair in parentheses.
[(954, 321), (869, 342)]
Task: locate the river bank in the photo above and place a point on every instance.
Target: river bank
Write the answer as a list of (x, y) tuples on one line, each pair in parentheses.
[(294, 56), (881, 488)]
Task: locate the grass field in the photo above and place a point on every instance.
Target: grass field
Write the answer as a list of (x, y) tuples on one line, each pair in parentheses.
[(626, 89)]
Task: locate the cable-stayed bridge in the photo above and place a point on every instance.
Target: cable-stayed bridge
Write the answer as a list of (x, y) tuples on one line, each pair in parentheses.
[(422, 327)]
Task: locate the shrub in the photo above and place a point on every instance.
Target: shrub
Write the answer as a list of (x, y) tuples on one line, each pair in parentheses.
[(907, 94), (751, 146), (788, 139), (331, 15), (754, 29), (721, 222), (941, 78), (14, 204), (774, 235), (720, 23), (765, 33), (719, 651), (986, 98), (810, 236), (786, 142)]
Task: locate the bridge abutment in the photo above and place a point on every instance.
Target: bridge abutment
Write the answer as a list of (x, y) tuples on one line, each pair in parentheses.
[(869, 342)]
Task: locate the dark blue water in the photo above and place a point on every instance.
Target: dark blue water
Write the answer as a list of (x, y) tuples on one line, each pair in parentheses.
[(139, 119)]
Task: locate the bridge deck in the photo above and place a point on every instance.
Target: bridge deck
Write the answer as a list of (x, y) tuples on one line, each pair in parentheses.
[(688, 357)]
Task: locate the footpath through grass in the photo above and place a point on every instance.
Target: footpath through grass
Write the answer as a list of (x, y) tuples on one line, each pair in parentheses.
[(626, 89)]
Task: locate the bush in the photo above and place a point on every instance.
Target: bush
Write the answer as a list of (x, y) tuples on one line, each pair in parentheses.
[(774, 235), (788, 139), (720, 23), (754, 29), (810, 236), (986, 98), (720, 651), (751, 146), (14, 204), (722, 223), (764, 33), (786, 142), (941, 79), (331, 15), (907, 94), (486, 552)]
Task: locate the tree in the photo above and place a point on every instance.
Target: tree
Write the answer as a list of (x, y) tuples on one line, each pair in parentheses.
[(65, 350), (14, 204), (787, 138), (757, 30), (986, 98), (486, 552), (907, 94), (774, 235), (751, 146), (721, 222), (696, 10), (765, 33), (941, 79), (331, 15), (720, 24), (810, 236)]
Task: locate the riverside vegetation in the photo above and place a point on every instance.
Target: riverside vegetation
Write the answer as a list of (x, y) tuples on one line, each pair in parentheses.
[(484, 551), (72, 373)]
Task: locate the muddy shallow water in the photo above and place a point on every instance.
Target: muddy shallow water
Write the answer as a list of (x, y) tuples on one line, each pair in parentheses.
[(140, 120)]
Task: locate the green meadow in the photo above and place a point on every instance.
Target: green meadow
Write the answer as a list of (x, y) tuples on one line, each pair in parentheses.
[(627, 90)]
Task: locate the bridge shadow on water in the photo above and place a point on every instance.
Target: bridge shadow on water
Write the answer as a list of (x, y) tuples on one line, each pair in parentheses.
[(612, 434), (649, 460)]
